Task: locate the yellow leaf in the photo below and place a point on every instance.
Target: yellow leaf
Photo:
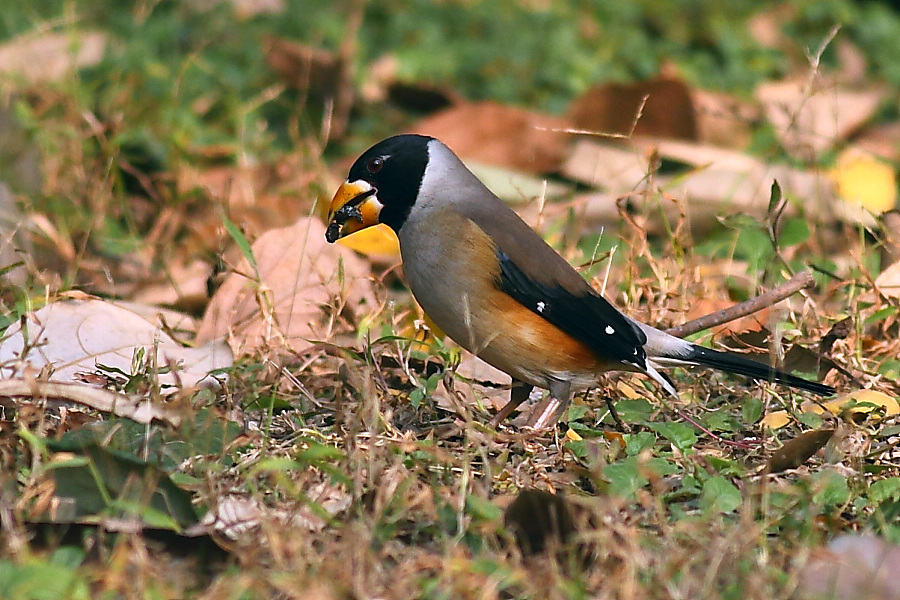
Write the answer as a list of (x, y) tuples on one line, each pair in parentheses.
[(627, 390), (379, 240), (776, 420), (865, 181), (573, 435), (837, 406)]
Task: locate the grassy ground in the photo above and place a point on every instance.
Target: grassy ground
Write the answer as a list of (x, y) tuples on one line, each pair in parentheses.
[(350, 474)]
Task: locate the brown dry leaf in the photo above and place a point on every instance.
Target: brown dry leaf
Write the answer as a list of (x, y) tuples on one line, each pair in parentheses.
[(310, 69), (723, 120), (613, 108), (798, 450), (811, 121), (50, 56), (853, 567), (890, 230), (72, 337), (497, 134), (299, 274)]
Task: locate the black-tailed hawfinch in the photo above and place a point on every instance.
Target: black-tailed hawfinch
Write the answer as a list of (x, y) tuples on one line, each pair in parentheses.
[(498, 290)]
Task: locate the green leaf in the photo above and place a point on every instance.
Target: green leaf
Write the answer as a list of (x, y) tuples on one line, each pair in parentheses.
[(793, 231), (884, 490), (637, 442), (624, 477), (634, 410), (41, 581), (833, 489), (751, 411), (242, 243), (682, 436), (482, 509), (720, 495), (111, 483)]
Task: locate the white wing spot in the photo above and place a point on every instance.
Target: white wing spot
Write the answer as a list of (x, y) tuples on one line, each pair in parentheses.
[(609, 330), (541, 306)]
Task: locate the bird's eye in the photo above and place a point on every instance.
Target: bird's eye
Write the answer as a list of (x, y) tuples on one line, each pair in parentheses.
[(374, 165)]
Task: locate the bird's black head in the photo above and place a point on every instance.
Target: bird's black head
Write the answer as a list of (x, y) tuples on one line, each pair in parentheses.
[(395, 168)]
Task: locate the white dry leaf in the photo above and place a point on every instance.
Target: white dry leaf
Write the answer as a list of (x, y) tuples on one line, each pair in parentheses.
[(299, 275), (888, 281), (72, 337), (236, 516), (809, 121), (721, 181), (486, 386), (50, 56)]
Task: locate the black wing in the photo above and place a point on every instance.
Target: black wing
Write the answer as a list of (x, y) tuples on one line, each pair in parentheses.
[(589, 318)]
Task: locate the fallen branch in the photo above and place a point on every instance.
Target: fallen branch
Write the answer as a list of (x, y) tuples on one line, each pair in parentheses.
[(800, 281), (136, 408)]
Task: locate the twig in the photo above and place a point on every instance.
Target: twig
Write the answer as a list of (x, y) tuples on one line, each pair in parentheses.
[(800, 281), (136, 408)]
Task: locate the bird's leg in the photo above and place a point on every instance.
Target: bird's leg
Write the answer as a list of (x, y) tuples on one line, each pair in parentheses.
[(518, 394), (561, 396)]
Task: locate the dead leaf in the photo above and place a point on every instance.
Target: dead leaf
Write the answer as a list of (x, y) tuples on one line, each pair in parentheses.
[(486, 385), (607, 166), (853, 567), (888, 281), (798, 450), (890, 230), (379, 243), (660, 107), (723, 120), (308, 68), (882, 141), (497, 134), (516, 187), (133, 406), (71, 337), (856, 403), (50, 56), (237, 516), (184, 287), (299, 275), (810, 120), (775, 419)]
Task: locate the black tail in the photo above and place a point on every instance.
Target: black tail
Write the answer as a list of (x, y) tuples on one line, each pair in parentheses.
[(735, 363)]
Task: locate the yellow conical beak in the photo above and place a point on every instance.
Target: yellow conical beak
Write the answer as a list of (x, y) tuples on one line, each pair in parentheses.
[(353, 208)]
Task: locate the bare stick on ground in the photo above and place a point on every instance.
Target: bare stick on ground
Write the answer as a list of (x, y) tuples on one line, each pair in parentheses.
[(800, 281)]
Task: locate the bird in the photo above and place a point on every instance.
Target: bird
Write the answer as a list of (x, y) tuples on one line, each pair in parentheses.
[(496, 288)]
